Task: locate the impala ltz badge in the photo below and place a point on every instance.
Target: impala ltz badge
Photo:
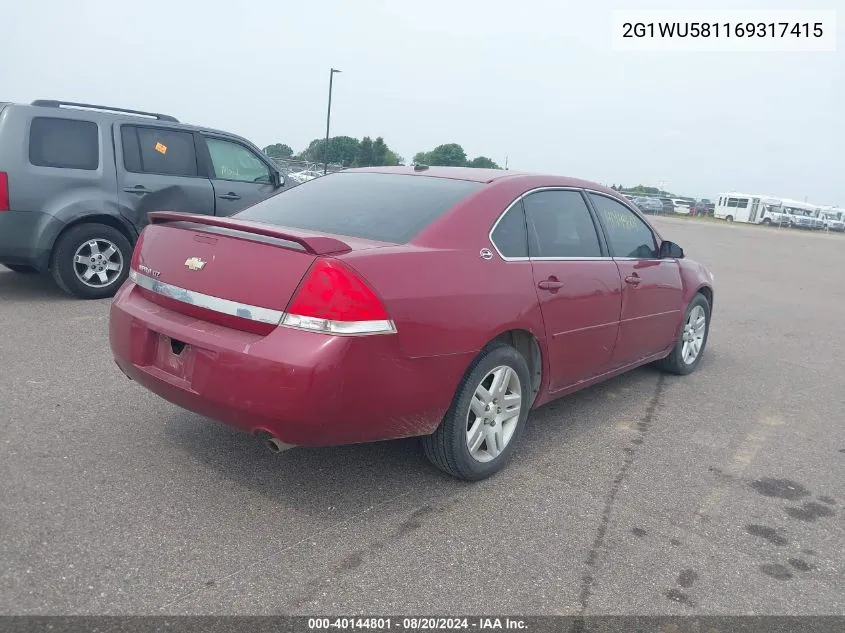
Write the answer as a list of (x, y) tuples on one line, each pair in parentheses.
[(194, 263)]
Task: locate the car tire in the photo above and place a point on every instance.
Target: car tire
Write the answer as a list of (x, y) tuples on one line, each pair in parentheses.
[(678, 362), (93, 242), (448, 447), (729, 218), (21, 268), (767, 221)]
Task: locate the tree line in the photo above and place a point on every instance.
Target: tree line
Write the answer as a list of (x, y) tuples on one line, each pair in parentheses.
[(645, 191), (366, 152)]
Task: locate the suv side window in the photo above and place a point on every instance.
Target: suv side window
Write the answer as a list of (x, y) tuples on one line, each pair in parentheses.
[(560, 225), (510, 236), (233, 161), (66, 143), (627, 234), (158, 151)]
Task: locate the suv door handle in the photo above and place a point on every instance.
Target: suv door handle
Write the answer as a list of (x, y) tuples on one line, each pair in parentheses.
[(550, 284), (230, 196), (139, 189), (633, 280)]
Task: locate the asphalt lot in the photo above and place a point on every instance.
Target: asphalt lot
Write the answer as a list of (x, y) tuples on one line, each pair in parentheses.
[(719, 493)]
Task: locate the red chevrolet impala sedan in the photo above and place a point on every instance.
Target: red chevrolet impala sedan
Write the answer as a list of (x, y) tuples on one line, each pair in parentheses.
[(392, 302)]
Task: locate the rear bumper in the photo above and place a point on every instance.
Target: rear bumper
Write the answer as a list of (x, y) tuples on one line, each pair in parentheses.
[(26, 238), (304, 388)]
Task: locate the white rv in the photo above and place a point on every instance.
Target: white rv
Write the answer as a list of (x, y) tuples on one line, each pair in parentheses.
[(751, 208)]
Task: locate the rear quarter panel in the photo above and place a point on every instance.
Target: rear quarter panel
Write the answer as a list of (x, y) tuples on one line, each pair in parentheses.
[(444, 298), (450, 302)]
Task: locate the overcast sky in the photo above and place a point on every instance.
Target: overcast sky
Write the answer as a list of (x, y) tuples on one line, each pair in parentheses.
[(533, 80)]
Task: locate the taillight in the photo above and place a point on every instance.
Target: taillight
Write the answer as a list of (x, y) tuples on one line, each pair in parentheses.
[(4, 191), (334, 300)]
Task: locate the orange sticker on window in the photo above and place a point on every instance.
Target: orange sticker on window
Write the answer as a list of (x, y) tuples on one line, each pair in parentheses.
[(161, 148)]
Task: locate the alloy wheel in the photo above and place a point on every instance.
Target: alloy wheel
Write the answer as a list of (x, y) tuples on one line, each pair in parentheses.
[(493, 414)]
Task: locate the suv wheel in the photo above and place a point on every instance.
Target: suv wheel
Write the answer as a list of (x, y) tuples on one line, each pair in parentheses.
[(91, 261)]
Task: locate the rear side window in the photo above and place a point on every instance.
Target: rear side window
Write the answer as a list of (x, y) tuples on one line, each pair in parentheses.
[(510, 236), (158, 151), (383, 207), (627, 234), (560, 225), (66, 143)]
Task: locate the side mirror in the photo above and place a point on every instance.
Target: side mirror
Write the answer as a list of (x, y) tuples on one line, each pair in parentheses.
[(278, 179), (670, 250)]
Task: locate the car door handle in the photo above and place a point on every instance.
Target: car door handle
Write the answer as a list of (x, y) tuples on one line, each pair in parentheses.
[(230, 196), (139, 189), (633, 280), (550, 284)]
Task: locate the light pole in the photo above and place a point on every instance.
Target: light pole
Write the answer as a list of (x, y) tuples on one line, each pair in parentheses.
[(328, 121)]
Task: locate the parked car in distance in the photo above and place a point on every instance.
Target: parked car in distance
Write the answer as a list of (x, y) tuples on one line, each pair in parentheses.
[(305, 175), (681, 206), (391, 302), (703, 207), (649, 205), (78, 180), (668, 205)]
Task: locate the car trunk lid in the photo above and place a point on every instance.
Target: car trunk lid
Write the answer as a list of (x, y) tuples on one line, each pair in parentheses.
[(232, 272)]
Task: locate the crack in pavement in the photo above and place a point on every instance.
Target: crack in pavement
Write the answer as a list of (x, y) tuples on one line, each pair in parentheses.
[(587, 579)]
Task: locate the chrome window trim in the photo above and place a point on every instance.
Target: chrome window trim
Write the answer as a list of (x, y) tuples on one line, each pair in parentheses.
[(565, 259), (538, 259), (209, 302)]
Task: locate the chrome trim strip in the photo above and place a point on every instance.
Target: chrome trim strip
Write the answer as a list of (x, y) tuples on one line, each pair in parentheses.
[(648, 316), (209, 302), (584, 329)]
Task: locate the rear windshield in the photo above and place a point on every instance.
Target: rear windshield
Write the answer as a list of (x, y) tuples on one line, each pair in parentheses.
[(383, 207)]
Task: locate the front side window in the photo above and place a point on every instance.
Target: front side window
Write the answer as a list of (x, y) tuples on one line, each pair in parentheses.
[(510, 236), (560, 225), (158, 151), (627, 234), (233, 161), (65, 143)]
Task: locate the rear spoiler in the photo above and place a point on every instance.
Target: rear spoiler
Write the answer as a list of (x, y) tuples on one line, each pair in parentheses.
[(315, 244)]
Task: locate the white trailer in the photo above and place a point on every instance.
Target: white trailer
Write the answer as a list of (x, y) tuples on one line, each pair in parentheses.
[(751, 208)]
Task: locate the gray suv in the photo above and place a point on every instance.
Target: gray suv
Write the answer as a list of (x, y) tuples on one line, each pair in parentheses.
[(78, 180)]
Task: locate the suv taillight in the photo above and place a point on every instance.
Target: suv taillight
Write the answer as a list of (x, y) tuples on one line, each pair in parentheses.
[(334, 300), (4, 191)]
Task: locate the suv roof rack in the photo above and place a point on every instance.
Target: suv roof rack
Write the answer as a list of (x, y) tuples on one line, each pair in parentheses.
[(50, 103)]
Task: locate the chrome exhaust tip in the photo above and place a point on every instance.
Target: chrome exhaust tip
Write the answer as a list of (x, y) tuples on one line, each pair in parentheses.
[(274, 444)]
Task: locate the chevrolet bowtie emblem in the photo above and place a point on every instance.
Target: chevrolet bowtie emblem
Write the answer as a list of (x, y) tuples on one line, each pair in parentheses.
[(194, 263)]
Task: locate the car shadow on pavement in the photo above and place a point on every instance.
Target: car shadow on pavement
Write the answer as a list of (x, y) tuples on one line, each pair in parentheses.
[(26, 286), (319, 481), (325, 481)]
